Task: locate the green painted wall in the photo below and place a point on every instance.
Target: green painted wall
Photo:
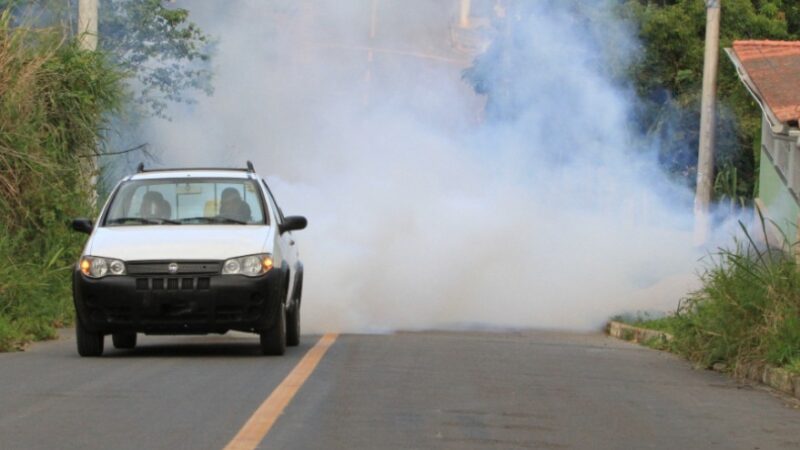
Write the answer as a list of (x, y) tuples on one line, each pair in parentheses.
[(779, 203)]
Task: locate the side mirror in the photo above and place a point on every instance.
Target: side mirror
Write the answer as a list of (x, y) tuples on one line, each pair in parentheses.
[(292, 223), (82, 225)]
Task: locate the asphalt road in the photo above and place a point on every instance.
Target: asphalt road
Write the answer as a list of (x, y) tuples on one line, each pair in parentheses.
[(407, 390)]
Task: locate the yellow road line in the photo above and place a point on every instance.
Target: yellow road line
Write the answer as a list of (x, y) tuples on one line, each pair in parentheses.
[(262, 420)]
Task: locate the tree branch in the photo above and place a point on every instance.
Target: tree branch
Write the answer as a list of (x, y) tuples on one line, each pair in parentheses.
[(121, 152)]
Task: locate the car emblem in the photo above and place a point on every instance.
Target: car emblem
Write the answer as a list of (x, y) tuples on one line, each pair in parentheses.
[(173, 268)]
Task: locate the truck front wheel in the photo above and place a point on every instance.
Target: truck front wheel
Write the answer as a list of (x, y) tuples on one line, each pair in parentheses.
[(273, 340), (89, 343)]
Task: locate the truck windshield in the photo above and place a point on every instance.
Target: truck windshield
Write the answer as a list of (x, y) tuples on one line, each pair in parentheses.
[(187, 201)]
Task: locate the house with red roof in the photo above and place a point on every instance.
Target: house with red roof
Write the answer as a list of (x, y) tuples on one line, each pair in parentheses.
[(771, 72)]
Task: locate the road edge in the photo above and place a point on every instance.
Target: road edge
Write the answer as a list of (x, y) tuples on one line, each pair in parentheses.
[(631, 333), (779, 379)]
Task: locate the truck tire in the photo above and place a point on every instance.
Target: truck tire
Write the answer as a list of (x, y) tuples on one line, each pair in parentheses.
[(293, 316), (273, 340), (124, 341), (293, 326), (89, 343)]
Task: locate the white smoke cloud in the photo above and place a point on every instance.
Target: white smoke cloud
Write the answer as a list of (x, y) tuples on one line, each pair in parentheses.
[(422, 214)]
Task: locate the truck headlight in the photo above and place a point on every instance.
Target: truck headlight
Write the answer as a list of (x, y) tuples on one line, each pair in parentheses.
[(251, 266), (97, 267)]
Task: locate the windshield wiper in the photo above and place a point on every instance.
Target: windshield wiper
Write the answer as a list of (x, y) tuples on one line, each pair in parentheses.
[(142, 220), (215, 219), (229, 220)]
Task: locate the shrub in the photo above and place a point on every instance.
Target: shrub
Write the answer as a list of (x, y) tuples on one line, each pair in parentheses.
[(748, 310), (54, 102)]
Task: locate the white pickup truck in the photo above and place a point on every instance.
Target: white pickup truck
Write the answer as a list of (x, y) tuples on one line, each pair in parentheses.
[(189, 251)]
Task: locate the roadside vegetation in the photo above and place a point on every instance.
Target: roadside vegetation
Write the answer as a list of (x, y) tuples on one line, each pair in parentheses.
[(62, 112), (668, 79), (747, 311), (54, 101), (650, 321)]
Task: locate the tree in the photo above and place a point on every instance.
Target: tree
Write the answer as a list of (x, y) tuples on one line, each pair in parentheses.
[(666, 74), (164, 53), (503, 72), (668, 79)]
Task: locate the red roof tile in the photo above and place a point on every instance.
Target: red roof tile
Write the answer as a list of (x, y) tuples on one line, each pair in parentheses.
[(774, 68)]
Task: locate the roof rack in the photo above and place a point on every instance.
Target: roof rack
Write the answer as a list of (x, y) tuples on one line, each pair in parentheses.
[(250, 168)]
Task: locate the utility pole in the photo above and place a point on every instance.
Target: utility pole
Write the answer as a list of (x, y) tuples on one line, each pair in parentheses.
[(87, 39), (705, 154), (463, 17), (87, 24)]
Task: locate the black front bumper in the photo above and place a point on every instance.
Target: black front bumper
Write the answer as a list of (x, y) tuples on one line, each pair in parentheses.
[(182, 304)]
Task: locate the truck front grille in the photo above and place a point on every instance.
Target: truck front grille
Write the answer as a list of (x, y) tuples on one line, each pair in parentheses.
[(172, 284), (183, 267)]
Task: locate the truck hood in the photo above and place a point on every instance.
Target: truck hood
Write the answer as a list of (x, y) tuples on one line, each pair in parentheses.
[(178, 242)]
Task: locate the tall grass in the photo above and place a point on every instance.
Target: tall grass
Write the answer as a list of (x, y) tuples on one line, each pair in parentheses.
[(748, 310), (54, 101)]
